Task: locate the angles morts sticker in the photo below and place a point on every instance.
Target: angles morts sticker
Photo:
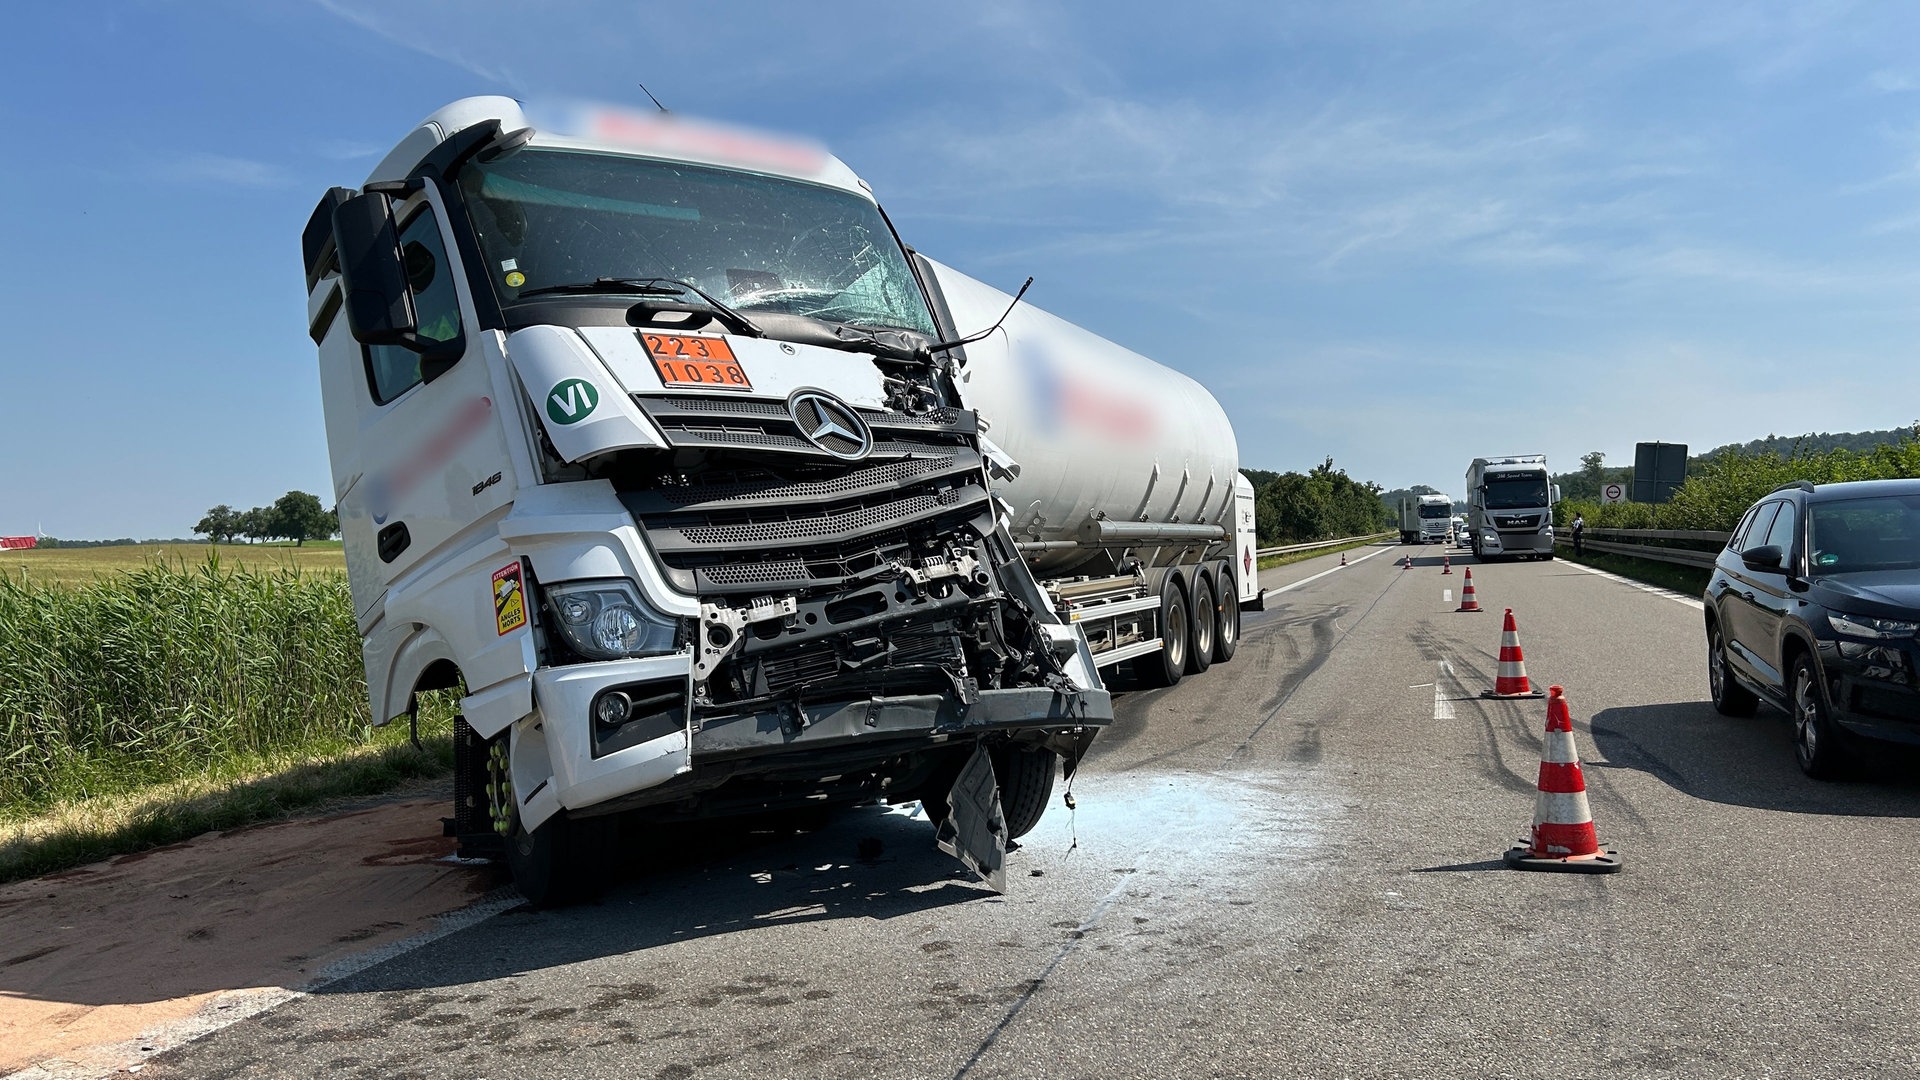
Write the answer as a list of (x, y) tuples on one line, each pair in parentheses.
[(509, 599)]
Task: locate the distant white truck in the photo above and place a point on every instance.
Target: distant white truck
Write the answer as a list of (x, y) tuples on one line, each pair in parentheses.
[(657, 442), (1426, 519), (1510, 507)]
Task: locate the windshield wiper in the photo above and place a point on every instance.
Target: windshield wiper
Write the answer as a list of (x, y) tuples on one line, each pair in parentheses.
[(655, 286), (886, 343), (617, 285)]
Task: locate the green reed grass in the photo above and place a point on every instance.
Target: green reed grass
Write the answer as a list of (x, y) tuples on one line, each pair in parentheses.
[(169, 670)]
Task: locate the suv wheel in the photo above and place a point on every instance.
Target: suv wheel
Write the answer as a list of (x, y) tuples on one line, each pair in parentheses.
[(1815, 740), (1729, 697)]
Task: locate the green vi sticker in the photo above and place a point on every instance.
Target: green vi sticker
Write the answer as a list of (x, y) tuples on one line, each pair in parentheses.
[(571, 401)]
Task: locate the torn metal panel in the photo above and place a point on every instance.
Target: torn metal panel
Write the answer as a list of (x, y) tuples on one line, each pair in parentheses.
[(975, 831)]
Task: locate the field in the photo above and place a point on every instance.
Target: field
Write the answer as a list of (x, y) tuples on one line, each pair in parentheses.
[(145, 697), (68, 565)]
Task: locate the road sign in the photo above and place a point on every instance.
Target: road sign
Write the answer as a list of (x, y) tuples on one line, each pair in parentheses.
[(1613, 493)]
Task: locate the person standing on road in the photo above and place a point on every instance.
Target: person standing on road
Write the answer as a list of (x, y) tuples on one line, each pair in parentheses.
[(1579, 526)]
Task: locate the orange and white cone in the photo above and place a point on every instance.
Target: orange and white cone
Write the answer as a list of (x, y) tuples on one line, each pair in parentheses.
[(1563, 837), (1446, 564), (1468, 602), (1512, 680)]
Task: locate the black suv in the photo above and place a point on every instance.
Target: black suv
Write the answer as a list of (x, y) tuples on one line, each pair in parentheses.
[(1813, 607)]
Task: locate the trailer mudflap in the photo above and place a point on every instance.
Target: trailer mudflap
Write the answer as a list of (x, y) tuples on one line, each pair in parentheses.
[(975, 831)]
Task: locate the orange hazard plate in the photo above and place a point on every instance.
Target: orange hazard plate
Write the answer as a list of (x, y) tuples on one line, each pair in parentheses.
[(694, 360)]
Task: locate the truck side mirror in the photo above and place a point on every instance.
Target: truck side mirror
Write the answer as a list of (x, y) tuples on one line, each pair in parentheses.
[(378, 302), (1553, 493)]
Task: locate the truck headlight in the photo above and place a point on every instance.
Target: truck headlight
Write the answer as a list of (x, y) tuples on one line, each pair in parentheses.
[(1863, 626), (607, 620)]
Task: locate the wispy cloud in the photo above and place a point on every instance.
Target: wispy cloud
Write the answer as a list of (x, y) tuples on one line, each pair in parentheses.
[(1888, 81), (221, 169), (347, 149), (408, 34)]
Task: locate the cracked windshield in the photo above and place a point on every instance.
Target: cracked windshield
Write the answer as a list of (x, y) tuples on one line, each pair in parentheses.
[(547, 218)]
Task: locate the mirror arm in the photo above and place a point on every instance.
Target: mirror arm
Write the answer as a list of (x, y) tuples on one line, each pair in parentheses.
[(395, 188)]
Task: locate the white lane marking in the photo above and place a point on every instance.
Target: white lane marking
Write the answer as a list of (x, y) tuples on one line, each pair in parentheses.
[(1324, 573), (1693, 602), (1442, 705), (233, 1006), (1446, 596)]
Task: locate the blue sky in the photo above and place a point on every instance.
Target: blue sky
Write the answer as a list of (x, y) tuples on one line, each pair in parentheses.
[(1397, 234)]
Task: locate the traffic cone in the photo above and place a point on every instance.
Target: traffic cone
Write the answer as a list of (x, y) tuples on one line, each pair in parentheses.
[(1407, 563), (1446, 564), (1343, 558), (1563, 838), (1512, 680), (1467, 600)]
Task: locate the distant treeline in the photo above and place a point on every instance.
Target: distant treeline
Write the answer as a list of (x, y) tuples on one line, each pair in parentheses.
[(1733, 478), (297, 516), (125, 541), (1594, 474), (1323, 503)]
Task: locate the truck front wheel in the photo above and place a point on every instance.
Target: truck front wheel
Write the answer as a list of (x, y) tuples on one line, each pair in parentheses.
[(564, 861), (1025, 774)]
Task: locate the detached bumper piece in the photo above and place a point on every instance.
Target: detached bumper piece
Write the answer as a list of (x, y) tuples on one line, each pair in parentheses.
[(975, 831)]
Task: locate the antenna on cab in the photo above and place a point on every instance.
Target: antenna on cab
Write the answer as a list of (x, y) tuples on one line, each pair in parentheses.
[(939, 346), (650, 97)]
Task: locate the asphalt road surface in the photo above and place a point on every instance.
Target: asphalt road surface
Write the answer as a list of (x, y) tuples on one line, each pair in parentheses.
[(1287, 867)]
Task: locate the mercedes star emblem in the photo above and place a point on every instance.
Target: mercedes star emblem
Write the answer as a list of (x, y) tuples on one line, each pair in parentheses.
[(830, 424)]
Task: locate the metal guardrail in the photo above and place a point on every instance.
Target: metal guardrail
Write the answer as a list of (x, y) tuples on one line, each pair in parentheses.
[(1662, 534), (1678, 555), (1290, 549)]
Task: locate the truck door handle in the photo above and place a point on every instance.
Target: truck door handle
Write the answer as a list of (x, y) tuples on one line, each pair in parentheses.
[(394, 539)]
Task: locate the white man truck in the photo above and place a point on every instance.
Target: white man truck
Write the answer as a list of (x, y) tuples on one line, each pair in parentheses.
[(1426, 519), (655, 442), (1510, 507)]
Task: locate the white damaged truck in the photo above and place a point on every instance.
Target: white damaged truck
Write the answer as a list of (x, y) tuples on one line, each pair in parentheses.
[(711, 497)]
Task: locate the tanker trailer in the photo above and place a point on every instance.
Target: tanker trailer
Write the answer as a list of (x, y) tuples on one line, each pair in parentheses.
[(1124, 492)]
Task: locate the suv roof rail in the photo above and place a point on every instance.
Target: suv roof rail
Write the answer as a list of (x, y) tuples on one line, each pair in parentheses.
[(1802, 485)]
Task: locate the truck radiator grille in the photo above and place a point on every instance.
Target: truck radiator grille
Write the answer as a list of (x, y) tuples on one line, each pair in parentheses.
[(781, 671), (766, 488), (812, 527), (745, 505)]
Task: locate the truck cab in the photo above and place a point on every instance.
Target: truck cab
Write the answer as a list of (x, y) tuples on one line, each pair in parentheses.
[(653, 440), (1510, 507)]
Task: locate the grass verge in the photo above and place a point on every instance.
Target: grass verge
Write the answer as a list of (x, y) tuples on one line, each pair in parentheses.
[(1268, 562), (1681, 579), (241, 790)]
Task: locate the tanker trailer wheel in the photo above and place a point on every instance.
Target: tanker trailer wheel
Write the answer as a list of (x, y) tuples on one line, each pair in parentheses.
[(1226, 632), (1025, 774), (1206, 619), (1165, 667)]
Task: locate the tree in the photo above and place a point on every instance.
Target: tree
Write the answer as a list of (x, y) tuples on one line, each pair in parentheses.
[(301, 517), (1321, 504), (220, 524), (256, 524)]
